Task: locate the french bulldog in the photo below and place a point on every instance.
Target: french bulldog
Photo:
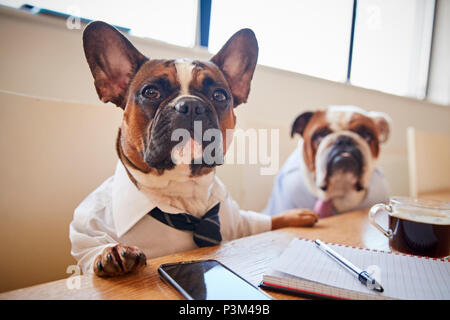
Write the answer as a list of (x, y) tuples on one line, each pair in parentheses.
[(154, 204), (334, 168)]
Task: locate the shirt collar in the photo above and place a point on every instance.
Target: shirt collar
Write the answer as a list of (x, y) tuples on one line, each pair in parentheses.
[(129, 204)]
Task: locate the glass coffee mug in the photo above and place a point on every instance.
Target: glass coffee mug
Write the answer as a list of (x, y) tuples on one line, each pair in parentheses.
[(416, 226)]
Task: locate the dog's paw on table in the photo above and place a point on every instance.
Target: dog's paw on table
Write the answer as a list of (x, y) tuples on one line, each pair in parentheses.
[(119, 260), (295, 218)]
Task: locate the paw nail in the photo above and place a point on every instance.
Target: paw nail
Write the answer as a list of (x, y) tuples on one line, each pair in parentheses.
[(99, 266), (109, 257)]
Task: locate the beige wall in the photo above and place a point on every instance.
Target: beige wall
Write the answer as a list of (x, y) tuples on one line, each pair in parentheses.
[(53, 154), (41, 57)]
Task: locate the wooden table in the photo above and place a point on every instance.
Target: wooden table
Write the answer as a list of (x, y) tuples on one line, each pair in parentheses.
[(442, 195), (248, 256)]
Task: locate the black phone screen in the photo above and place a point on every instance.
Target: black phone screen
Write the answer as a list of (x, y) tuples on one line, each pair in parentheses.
[(209, 280)]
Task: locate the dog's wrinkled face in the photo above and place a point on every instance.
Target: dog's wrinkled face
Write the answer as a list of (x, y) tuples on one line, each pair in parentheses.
[(340, 147), (170, 95), (161, 96)]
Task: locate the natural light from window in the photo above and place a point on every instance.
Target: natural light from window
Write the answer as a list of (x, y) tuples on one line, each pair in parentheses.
[(310, 37), (171, 21), (392, 46), (391, 43)]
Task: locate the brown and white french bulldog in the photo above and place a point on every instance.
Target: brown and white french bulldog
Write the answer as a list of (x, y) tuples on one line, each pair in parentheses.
[(159, 96), (334, 167)]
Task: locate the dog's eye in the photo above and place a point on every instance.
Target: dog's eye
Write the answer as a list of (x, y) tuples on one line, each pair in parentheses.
[(151, 92), (365, 134), (219, 95), (320, 134)]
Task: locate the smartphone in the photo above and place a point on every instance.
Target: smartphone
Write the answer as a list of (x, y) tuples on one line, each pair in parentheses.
[(209, 280)]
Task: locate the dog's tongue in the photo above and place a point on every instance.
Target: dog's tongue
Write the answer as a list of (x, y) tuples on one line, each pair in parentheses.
[(324, 208), (189, 151), (196, 149)]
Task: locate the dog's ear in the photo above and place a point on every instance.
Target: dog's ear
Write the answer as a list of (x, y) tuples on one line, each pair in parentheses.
[(383, 124), (300, 123), (237, 60), (113, 61)]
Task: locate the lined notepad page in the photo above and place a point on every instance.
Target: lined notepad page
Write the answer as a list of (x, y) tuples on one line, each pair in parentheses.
[(402, 276)]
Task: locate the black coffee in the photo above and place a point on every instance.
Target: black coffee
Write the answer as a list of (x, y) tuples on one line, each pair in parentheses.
[(419, 237)]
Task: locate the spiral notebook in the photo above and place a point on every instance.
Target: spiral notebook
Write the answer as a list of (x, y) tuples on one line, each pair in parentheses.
[(304, 269)]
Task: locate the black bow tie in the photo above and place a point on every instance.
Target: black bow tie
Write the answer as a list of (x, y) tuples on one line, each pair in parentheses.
[(206, 230)]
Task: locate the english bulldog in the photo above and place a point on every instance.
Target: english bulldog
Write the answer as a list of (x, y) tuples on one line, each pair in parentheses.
[(334, 168), (155, 204)]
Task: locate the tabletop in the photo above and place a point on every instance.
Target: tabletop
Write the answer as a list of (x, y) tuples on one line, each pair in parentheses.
[(441, 195), (249, 257)]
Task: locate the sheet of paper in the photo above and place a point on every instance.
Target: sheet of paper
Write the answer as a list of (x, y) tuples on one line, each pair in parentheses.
[(402, 277)]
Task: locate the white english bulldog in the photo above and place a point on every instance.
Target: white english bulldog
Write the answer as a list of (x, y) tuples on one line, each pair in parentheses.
[(334, 168)]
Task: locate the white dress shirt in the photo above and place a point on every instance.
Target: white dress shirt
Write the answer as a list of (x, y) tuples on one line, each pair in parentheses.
[(117, 212)]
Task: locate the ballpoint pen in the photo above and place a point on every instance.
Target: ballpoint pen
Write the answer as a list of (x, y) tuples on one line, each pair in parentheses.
[(362, 275)]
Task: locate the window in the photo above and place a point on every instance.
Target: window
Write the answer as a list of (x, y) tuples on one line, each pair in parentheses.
[(392, 43), (377, 44), (439, 74), (169, 20), (308, 36)]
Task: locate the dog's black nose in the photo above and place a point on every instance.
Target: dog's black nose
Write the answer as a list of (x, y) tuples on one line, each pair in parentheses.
[(344, 141), (188, 106)]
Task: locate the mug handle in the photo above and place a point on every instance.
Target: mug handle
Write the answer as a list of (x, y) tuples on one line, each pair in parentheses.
[(374, 211)]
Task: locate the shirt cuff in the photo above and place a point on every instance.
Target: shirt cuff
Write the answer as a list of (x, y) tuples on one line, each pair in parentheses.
[(259, 222)]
